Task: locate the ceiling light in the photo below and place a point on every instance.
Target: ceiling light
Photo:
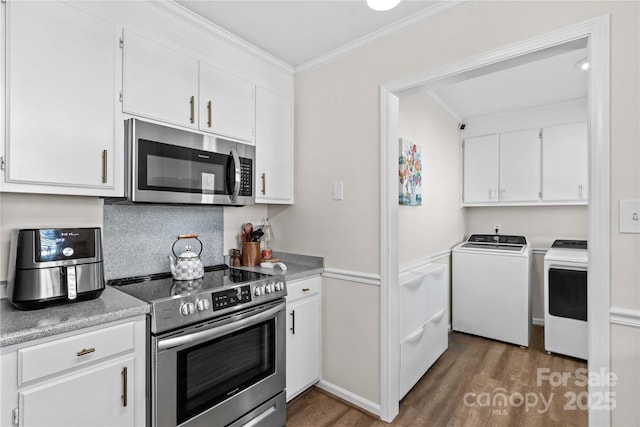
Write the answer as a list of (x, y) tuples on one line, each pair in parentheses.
[(382, 4), (583, 64)]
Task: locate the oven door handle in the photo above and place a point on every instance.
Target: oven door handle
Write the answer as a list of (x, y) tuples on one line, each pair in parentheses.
[(218, 331)]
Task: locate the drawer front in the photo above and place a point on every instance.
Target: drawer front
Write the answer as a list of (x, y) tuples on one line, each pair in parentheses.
[(423, 293), (303, 288), (421, 349), (56, 356)]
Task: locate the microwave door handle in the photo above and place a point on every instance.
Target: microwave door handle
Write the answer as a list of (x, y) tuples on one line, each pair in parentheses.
[(219, 331), (236, 174)]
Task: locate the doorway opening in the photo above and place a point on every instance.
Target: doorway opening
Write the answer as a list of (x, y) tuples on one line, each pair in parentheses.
[(594, 35)]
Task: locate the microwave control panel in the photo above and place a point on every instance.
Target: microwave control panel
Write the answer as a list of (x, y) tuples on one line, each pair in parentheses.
[(246, 177)]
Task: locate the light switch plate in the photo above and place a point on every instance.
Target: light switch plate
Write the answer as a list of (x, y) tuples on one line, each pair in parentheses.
[(629, 216), (338, 191)]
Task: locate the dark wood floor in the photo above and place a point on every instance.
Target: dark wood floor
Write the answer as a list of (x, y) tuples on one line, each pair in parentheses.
[(476, 382)]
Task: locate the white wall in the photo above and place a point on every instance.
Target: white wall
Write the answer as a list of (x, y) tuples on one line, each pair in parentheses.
[(337, 138), (438, 223)]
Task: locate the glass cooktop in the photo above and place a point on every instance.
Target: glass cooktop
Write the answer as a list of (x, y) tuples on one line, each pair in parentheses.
[(161, 286)]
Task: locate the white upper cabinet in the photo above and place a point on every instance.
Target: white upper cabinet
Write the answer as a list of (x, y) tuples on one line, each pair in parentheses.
[(519, 166), (274, 148), (565, 159), (61, 99), (226, 104), (480, 169), (159, 82)]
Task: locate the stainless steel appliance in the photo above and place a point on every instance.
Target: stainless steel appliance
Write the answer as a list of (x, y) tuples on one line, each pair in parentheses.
[(168, 165), (54, 266), (217, 348)]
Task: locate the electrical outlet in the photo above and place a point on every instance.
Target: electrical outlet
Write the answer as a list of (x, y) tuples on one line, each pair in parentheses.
[(496, 228)]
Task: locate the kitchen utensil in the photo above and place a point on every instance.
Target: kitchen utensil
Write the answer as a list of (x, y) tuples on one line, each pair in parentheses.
[(187, 265)]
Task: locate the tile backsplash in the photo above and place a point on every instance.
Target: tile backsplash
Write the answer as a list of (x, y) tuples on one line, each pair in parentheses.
[(137, 239)]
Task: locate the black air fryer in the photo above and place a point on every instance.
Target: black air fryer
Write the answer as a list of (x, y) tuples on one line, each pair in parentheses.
[(54, 266)]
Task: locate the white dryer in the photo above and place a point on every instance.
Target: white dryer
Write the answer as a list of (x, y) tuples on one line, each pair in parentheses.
[(565, 298), (491, 292)]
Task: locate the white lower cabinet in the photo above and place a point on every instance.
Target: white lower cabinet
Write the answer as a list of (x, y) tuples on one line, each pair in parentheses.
[(92, 378), (424, 322), (303, 335)]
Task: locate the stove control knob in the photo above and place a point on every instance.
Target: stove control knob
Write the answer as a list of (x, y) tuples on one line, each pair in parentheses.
[(279, 286), (202, 304), (257, 291), (187, 308)]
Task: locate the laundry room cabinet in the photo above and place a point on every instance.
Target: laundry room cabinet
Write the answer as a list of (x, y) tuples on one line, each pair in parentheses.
[(61, 101), (565, 163), (540, 166), (502, 168), (303, 335)]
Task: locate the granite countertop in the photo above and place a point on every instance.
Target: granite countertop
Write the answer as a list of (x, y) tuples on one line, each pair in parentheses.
[(298, 266), (18, 326)]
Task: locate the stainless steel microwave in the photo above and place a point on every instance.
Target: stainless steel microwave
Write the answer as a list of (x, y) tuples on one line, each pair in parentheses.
[(168, 165)]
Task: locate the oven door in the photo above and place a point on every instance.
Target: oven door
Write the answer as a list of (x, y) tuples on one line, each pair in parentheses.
[(215, 373)]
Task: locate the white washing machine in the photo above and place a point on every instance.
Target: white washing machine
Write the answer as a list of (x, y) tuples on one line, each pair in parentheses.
[(491, 291), (565, 299)]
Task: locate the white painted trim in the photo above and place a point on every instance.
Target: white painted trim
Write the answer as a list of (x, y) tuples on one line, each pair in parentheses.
[(537, 321), (352, 276), (539, 251), (421, 262), (437, 10), (441, 102), (597, 30), (197, 21), (625, 316), (350, 397)]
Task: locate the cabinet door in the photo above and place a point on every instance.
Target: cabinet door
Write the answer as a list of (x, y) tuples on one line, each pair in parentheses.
[(480, 168), (226, 104), (274, 148), (565, 162), (303, 344), (520, 166), (61, 99), (100, 396), (159, 82)]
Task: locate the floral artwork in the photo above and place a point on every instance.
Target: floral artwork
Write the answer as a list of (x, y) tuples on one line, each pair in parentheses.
[(410, 174)]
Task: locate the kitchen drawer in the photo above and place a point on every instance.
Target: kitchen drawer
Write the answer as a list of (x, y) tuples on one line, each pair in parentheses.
[(423, 293), (303, 288), (421, 349), (56, 356)]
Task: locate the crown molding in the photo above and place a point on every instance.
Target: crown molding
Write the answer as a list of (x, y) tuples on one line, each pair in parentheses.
[(438, 9), (192, 18)]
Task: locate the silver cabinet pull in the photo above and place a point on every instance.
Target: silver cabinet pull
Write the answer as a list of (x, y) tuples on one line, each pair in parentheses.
[(124, 386), (104, 166), (85, 351), (293, 322), (192, 108), (264, 183), (209, 108)]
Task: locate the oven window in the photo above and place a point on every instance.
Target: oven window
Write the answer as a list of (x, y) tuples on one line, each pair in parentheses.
[(214, 371)]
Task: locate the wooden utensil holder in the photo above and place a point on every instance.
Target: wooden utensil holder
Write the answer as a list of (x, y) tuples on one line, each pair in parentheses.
[(250, 254)]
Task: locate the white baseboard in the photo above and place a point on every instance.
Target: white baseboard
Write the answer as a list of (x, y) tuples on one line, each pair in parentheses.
[(350, 397), (537, 321)]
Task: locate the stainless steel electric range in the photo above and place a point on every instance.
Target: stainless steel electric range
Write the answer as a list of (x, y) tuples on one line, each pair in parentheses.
[(217, 348)]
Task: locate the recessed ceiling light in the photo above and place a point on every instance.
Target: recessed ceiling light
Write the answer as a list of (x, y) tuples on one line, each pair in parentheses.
[(583, 64), (382, 4)]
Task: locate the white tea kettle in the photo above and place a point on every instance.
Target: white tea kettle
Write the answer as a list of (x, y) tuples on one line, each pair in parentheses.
[(187, 265)]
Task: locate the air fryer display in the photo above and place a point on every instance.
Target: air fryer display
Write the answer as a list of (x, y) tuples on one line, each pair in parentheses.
[(60, 244)]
